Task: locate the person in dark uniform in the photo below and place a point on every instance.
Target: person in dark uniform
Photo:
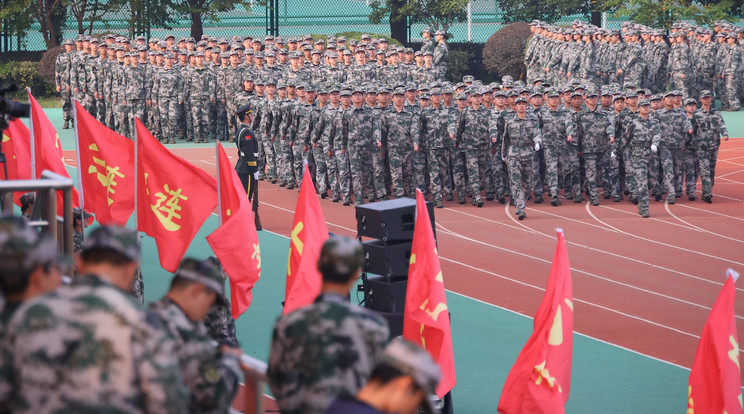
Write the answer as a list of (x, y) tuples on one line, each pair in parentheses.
[(247, 166)]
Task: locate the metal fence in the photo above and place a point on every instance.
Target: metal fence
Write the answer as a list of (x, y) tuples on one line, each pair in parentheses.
[(294, 18)]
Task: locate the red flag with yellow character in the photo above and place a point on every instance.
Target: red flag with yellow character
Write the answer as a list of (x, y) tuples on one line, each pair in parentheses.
[(235, 242), (174, 198), (715, 386), (16, 144), (309, 232), (106, 169), (426, 319), (540, 380)]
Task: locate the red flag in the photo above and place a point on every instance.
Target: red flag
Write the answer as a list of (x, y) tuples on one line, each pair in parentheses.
[(309, 232), (174, 198), (16, 144), (714, 379), (106, 169), (540, 380), (48, 150), (235, 242), (426, 319)]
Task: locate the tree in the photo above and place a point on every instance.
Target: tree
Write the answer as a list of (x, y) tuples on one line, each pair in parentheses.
[(663, 13), (206, 10), (88, 12), (437, 14), (547, 10)]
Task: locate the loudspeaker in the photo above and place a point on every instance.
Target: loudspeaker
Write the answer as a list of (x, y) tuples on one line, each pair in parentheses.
[(394, 321), (387, 259), (385, 294), (390, 220)]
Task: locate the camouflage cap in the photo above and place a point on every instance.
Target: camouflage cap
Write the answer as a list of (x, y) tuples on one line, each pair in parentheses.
[(69, 42), (520, 100), (690, 101), (656, 97), (281, 84), (424, 95), (592, 93), (341, 256), (309, 87), (460, 96), (206, 273), (77, 211), (345, 92), (553, 93), (22, 249), (448, 89), (116, 238), (643, 102), (415, 362), (706, 94), (439, 32), (399, 91)]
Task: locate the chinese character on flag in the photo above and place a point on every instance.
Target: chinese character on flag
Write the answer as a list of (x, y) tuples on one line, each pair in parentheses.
[(715, 386), (106, 169), (309, 232), (540, 379), (426, 319), (235, 242), (174, 198)]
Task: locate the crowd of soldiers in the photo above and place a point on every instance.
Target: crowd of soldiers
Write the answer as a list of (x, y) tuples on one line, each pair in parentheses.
[(374, 120)]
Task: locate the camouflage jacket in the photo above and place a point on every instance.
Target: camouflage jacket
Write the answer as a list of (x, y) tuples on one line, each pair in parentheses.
[(433, 127), (520, 136), (401, 129), (202, 85), (641, 133), (63, 70), (709, 129), (360, 128), (674, 126), (325, 130), (168, 85), (556, 126), (322, 350), (594, 130), (472, 128), (89, 347), (211, 376), (136, 82)]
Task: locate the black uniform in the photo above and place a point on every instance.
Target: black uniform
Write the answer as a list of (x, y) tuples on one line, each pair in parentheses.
[(247, 166)]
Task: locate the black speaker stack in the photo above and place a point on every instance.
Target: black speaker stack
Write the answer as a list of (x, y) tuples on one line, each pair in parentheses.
[(388, 228)]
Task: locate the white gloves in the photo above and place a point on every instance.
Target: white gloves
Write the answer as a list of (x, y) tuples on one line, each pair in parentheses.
[(653, 148), (537, 147), (255, 175), (612, 155)]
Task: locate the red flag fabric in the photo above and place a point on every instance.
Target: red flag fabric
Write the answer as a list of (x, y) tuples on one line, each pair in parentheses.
[(540, 380), (714, 385), (174, 198), (16, 144), (426, 319), (48, 150), (106, 169), (309, 232), (235, 242)]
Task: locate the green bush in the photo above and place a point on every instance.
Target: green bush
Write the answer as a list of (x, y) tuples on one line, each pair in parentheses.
[(25, 74), (503, 53)]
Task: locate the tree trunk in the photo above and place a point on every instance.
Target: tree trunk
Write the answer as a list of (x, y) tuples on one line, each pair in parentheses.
[(398, 22), (196, 25), (597, 19)]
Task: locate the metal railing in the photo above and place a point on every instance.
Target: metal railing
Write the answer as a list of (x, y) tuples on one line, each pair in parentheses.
[(255, 381), (44, 215)]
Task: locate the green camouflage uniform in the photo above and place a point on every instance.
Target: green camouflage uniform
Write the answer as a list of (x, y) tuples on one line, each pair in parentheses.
[(62, 78), (435, 142), (595, 130), (473, 136), (360, 134), (402, 130), (674, 126), (323, 350), (556, 127), (710, 129), (639, 135), (520, 137)]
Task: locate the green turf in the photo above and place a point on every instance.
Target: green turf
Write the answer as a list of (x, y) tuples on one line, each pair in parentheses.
[(487, 339)]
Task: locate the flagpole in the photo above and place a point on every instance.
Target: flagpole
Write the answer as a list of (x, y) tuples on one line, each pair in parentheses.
[(136, 177), (219, 196), (81, 198), (33, 138)]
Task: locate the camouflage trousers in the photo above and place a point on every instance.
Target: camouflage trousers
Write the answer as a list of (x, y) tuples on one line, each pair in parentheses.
[(640, 158), (168, 124), (136, 109), (671, 165), (553, 160), (439, 177), (101, 110), (122, 120), (655, 176), (459, 171), (401, 170), (479, 169), (520, 171), (66, 98), (222, 132), (630, 181), (420, 172), (221, 325), (89, 103), (322, 176), (707, 168), (613, 175), (572, 170), (269, 148), (201, 110), (285, 164), (732, 93), (720, 90), (155, 122), (604, 169), (343, 170), (299, 155), (364, 161), (690, 166), (232, 120), (538, 171), (138, 287), (187, 121), (499, 174), (681, 83), (591, 171), (111, 115)]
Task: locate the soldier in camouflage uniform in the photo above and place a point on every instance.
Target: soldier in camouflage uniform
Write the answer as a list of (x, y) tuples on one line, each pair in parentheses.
[(361, 135), (679, 66), (330, 347), (595, 132), (219, 321), (341, 148), (136, 92), (400, 126), (211, 374), (675, 129), (472, 134), (643, 136), (521, 138), (436, 145), (459, 170), (168, 92), (63, 80), (709, 130), (91, 329), (203, 96), (304, 119), (439, 59), (557, 126), (322, 139)]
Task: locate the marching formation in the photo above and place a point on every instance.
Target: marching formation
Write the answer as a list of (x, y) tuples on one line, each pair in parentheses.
[(374, 121)]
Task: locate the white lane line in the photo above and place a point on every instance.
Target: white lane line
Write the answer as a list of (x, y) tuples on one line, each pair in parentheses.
[(710, 211), (666, 206)]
